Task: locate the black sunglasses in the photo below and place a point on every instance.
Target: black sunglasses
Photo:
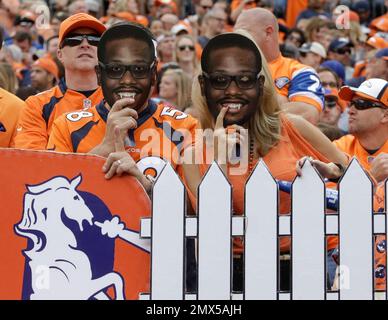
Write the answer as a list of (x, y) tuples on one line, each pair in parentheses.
[(182, 48), (330, 103), (222, 81), (117, 71), (76, 40), (361, 104)]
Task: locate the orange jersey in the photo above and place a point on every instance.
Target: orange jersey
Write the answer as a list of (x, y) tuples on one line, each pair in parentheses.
[(10, 107), (350, 145), (294, 8), (297, 82), (281, 162), (236, 3), (162, 131), (360, 69), (35, 121)]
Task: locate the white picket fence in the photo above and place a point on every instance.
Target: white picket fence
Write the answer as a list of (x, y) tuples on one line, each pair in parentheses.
[(307, 225)]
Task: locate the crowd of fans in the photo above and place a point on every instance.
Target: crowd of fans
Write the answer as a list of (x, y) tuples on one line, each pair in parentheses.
[(353, 45)]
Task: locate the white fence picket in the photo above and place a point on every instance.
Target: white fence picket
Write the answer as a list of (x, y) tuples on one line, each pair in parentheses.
[(167, 265), (260, 243), (308, 237), (355, 228), (214, 236)]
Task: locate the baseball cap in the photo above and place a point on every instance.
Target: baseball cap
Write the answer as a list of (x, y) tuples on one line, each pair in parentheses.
[(382, 54), (380, 23), (47, 64), (314, 47), (333, 92), (179, 27), (377, 42), (339, 43), (170, 3), (336, 66), (361, 6), (373, 89), (80, 20)]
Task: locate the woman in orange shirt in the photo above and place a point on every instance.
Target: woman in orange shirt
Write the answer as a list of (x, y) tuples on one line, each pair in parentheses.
[(235, 93)]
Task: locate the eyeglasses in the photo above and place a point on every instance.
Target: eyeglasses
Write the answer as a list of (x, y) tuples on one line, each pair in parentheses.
[(293, 38), (182, 48), (221, 81), (76, 40), (117, 71), (330, 103), (206, 7), (361, 104)]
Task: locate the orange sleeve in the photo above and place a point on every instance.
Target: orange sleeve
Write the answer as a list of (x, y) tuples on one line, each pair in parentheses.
[(59, 139), (33, 132), (10, 107)]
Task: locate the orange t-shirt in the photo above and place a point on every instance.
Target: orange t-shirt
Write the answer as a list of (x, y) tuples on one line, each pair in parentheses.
[(10, 108), (350, 145), (34, 126), (236, 3), (162, 131)]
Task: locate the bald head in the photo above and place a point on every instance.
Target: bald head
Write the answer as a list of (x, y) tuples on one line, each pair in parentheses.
[(263, 26)]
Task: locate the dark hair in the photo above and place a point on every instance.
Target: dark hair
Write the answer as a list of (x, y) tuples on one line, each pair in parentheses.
[(25, 92), (22, 36), (229, 40), (124, 30), (162, 71), (299, 32)]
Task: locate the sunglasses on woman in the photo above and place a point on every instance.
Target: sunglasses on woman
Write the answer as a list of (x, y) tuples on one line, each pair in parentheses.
[(182, 48), (76, 40), (117, 71), (222, 81), (361, 104)]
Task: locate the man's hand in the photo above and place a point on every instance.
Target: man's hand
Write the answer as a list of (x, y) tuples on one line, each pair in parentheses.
[(225, 139), (379, 167), (121, 116), (120, 162), (327, 170)]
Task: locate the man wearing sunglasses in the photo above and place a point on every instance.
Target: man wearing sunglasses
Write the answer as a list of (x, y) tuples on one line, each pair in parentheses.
[(78, 39), (368, 126), (340, 50), (127, 126)]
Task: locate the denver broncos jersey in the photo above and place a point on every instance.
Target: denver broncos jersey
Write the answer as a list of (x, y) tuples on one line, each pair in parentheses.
[(34, 126), (297, 82), (162, 131), (10, 108), (351, 145)]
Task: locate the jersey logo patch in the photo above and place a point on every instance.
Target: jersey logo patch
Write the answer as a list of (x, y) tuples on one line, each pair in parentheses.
[(2, 128), (282, 82)]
